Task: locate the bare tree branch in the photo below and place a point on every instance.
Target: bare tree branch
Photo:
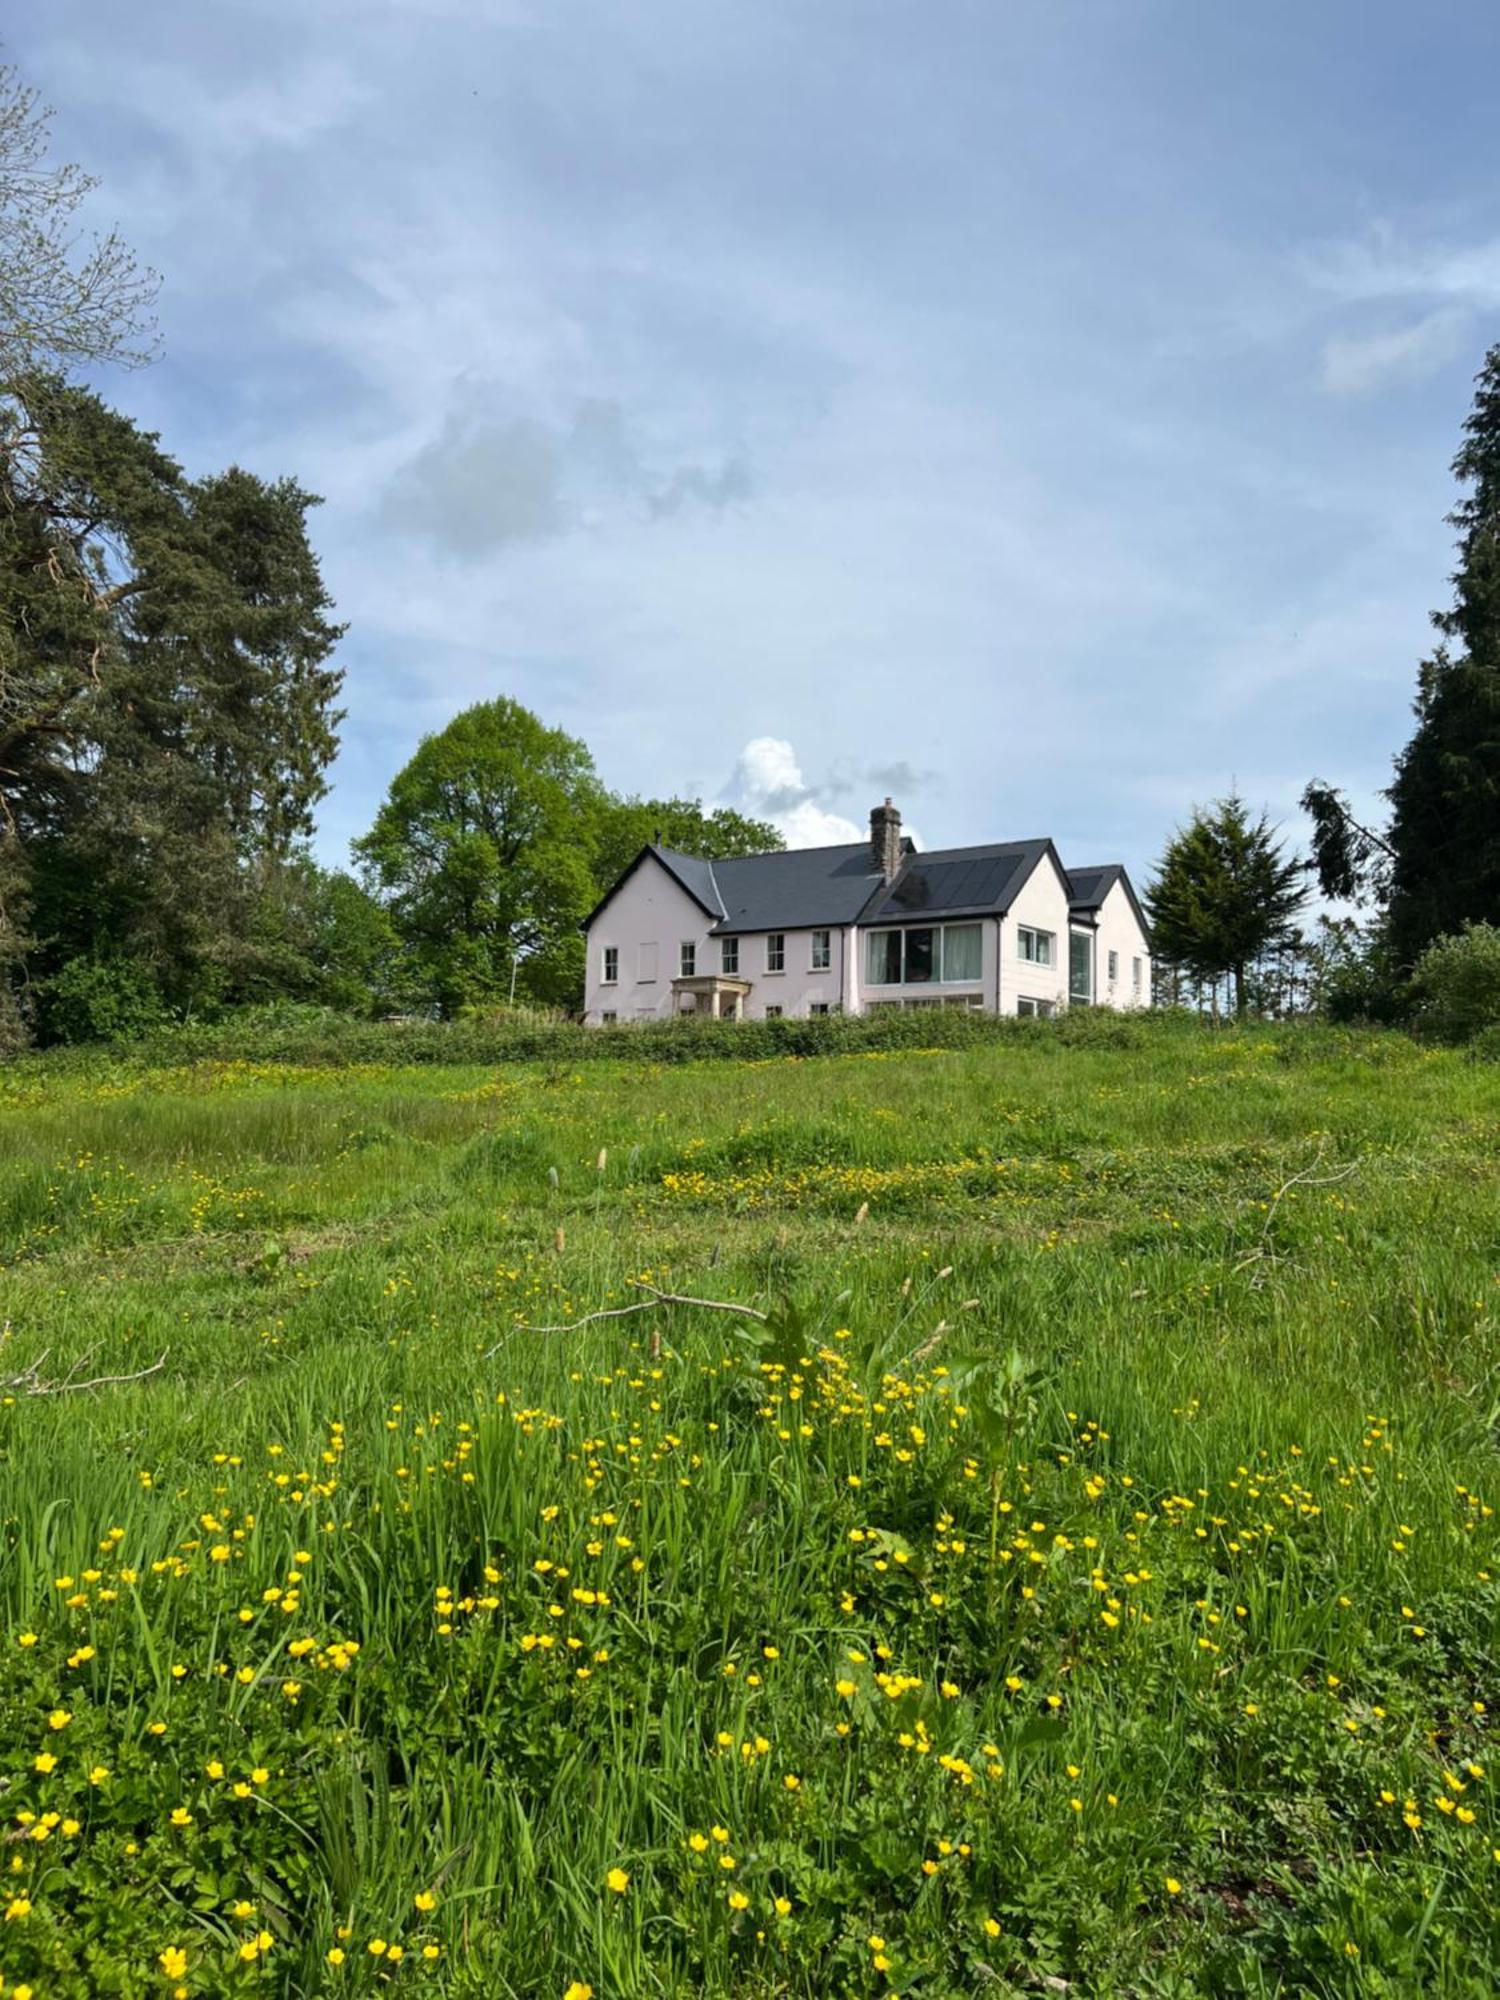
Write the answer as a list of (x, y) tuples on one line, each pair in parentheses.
[(657, 1298)]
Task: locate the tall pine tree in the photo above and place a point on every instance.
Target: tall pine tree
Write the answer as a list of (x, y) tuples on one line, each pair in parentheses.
[(1445, 829), (1224, 893)]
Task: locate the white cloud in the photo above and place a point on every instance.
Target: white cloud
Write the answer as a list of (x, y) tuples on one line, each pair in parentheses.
[(1359, 364), (768, 783), (809, 825)]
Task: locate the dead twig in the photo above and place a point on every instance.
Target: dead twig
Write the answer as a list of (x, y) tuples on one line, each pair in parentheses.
[(1263, 1252), (29, 1382), (657, 1298)]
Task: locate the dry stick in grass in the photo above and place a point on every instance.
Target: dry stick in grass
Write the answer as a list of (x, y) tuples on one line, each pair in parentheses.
[(1309, 1177), (642, 1305), (29, 1381)]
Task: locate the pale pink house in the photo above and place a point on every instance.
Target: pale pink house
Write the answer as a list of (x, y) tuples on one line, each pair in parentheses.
[(827, 930)]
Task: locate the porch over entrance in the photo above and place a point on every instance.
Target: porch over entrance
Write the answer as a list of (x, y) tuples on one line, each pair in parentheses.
[(710, 994)]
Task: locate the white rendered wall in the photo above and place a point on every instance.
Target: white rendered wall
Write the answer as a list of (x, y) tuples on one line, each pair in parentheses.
[(798, 989), (651, 908), (1120, 931), (1042, 905)]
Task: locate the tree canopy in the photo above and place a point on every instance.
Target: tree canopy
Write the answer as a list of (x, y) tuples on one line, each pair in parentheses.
[(64, 300), (484, 850), (1224, 892), (167, 696), (1445, 826)]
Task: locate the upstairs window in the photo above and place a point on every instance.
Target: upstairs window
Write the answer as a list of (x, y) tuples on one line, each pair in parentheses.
[(689, 959), (1135, 975), (611, 973), (646, 964), (822, 950), (729, 956), (1034, 946), (776, 953), (1114, 967)]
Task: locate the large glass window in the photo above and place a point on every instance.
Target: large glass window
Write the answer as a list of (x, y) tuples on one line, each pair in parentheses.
[(883, 958), (919, 957), (822, 951), (776, 951), (1034, 946), (962, 952), (729, 956), (1080, 967)]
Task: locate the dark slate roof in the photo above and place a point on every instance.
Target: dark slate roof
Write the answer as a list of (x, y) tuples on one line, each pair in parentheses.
[(695, 874), (1092, 885), (958, 881), (793, 890), (804, 887)]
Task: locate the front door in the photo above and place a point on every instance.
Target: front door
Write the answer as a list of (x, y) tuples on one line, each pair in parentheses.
[(729, 1006)]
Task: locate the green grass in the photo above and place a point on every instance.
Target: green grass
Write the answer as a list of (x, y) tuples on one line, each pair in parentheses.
[(1103, 1546)]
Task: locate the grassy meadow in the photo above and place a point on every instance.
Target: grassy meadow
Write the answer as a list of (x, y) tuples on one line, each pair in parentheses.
[(1084, 1579)]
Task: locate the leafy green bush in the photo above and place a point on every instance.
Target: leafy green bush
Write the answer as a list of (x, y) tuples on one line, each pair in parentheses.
[(290, 1033), (101, 1000), (1458, 980)]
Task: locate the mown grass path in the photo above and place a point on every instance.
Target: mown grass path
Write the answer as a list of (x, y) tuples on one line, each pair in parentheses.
[(1089, 1574)]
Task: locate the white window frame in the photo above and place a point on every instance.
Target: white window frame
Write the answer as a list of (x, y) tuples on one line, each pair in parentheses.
[(1028, 1008), (773, 1013), (608, 1020), (1114, 967), (822, 951), (1034, 946), (687, 959), (1135, 975), (610, 974), (729, 957), (776, 951), (818, 1007)]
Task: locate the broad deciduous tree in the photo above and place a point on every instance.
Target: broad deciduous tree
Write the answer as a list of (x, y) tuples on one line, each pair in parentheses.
[(484, 847), (64, 299)]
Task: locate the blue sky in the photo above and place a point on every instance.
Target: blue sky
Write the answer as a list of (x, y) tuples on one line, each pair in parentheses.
[(1040, 412)]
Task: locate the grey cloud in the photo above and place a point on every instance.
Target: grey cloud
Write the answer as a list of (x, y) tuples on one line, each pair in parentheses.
[(487, 481), (697, 485), (478, 486), (899, 779)]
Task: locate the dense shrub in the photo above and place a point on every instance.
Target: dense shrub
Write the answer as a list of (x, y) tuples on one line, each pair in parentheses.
[(285, 1032), (100, 1000), (1458, 981)]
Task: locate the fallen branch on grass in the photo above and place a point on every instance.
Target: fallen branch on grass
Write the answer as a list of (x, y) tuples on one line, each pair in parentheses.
[(657, 1298), (29, 1381), (1263, 1252)]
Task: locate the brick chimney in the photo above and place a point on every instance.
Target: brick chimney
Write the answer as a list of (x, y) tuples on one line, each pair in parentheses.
[(885, 840)]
